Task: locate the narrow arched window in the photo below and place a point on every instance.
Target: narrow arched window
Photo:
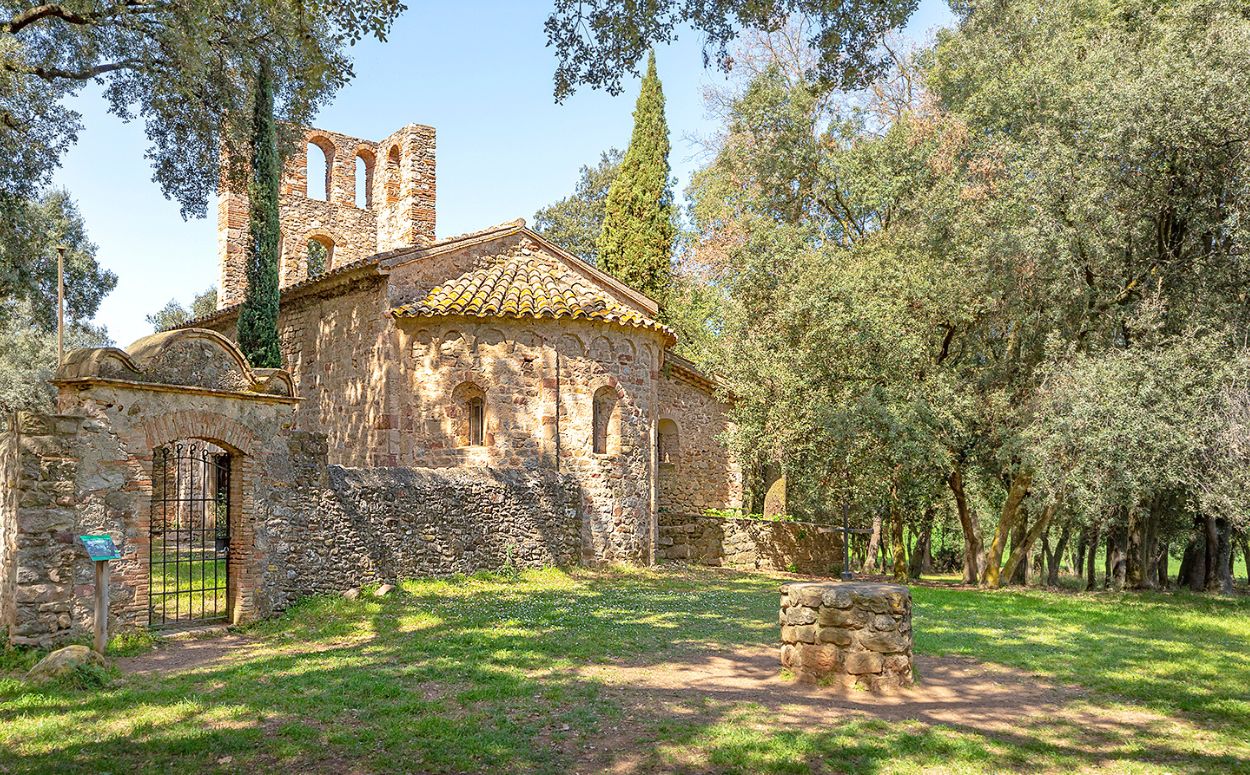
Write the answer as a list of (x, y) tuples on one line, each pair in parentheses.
[(467, 413), (605, 423), (392, 175), (477, 421), (320, 163), (320, 256), (667, 442), (364, 180)]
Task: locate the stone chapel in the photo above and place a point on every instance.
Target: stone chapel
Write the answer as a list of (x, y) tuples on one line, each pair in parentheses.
[(492, 349)]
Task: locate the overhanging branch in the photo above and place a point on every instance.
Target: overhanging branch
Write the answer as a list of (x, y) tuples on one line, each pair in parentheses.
[(55, 73)]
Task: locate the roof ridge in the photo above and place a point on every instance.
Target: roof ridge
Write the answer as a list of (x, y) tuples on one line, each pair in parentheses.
[(521, 282)]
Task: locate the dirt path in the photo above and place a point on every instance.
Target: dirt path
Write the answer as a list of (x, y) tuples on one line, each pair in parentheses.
[(705, 685)]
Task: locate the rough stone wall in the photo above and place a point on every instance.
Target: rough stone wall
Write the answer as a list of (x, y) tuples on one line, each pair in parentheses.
[(696, 470), (750, 544), (340, 348), (399, 209), (344, 527), (405, 193), (298, 525), (538, 379)]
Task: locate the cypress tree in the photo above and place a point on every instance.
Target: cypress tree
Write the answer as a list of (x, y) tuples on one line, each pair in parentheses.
[(636, 243), (258, 317)]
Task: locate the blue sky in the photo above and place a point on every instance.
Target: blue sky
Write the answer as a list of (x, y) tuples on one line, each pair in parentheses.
[(480, 73)]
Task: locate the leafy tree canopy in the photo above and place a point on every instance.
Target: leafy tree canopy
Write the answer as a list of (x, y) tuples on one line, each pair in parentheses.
[(182, 65), (636, 244), (598, 41), (174, 314), (30, 232), (574, 223)]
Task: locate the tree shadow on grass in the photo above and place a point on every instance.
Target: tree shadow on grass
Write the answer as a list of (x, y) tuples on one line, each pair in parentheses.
[(500, 675)]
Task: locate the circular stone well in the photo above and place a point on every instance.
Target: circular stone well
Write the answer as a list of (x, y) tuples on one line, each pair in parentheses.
[(847, 633)]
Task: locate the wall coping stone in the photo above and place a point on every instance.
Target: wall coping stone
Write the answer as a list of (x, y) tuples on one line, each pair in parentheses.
[(161, 387)]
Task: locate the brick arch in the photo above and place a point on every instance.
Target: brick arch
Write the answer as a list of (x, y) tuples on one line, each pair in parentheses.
[(326, 145), (328, 240), (365, 154), (607, 380), (201, 424)]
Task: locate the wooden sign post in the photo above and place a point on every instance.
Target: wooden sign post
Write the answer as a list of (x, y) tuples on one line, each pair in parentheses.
[(101, 549)]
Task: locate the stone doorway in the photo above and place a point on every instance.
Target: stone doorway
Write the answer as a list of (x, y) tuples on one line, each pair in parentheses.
[(189, 535)]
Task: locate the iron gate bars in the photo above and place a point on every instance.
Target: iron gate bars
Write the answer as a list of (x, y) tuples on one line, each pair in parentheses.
[(189, 541)]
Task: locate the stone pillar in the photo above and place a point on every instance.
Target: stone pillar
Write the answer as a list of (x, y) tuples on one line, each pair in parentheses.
[(847, 633)]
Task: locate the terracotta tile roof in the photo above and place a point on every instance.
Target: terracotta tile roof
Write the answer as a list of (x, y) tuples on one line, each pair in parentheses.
[(524, 283)]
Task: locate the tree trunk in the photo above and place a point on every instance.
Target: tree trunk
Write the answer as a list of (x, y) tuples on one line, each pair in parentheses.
[(1211, 532), (972, 538), (1006, 521), (1091, 556), (1135, 556), (1021, 552), (1245, 555), (1193, 573), (1052, 579), (874, 541), (1043, 559), (1078, 549), (899, 546), (1119, 563), (1161, 566), (1021, 575), (1224, 558), (921, 558), (1108, 568)]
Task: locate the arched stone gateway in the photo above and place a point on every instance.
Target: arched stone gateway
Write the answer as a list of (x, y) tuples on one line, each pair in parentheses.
[(170, 447), (221, 507)]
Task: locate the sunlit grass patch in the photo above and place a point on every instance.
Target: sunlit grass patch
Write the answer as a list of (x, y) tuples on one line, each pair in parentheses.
[(485, 673)]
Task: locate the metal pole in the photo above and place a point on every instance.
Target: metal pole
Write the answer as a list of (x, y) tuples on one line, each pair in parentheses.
[(60, 304), (101, 605)]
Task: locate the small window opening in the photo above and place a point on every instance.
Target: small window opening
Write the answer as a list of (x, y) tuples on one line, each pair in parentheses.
[(667, 442), (319, 165), (364, 180), (392, 175), (477, 421), (319, 256), (604, 410)]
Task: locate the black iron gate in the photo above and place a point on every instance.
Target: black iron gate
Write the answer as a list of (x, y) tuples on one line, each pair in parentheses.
[(190, 534)]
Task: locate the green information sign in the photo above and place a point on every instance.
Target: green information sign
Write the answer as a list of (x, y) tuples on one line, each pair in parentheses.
[(100, 547)]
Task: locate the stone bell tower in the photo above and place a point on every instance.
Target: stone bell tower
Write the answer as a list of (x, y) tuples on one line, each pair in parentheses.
[(394, 207)]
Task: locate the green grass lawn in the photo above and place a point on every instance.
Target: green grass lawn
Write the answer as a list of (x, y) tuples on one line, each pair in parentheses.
[(488, 675)]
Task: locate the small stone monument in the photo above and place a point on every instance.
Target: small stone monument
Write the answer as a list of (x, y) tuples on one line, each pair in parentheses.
[(847, 633), (775, 499)]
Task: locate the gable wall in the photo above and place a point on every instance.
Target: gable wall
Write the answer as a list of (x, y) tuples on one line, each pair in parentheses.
[(703, 474)]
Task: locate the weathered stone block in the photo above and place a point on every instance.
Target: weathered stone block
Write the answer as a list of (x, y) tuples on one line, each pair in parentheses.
[(862, 662), (837, 635), (797, 614), (885, 642)]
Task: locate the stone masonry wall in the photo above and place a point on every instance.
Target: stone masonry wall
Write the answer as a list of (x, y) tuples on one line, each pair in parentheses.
[(10, 477), (340, 350), (750, 544), (538, 379), (399, 210), (298, 525), (696, 470), (343, 527)]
